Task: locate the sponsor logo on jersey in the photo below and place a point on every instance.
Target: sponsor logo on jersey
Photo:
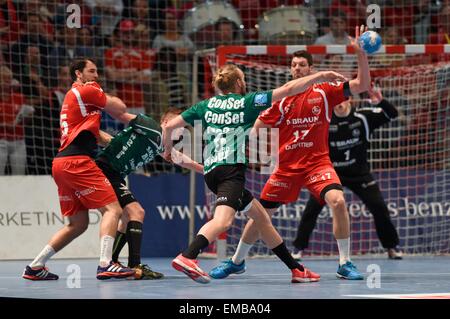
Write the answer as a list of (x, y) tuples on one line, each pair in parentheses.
[(345, 142), (261, 99), (287, 108), (222, 199), (302, 120), (224, 118), (65, 198), (276, 183), (226, 104), (299, 145), (356, 132), (316, 110), (315, 100), (354, 125), (333, 128), (85, 192)]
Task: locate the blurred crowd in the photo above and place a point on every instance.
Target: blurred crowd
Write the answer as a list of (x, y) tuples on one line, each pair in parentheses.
[(144, 50)]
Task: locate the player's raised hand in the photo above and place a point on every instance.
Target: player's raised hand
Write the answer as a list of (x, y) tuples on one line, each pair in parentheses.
[(354, 41), (375, 95), (331, 76)]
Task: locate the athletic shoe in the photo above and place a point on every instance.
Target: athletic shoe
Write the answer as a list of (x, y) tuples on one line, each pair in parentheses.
[(114, 270), (145, 272), (349, 271), (227, 268), (306, 275), (191, 269), (394, 254), (38, 273), (298, 256)]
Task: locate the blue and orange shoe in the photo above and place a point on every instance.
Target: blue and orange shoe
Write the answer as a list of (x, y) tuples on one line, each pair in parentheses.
[(114, 270), (191, 269), (38, 273), (227, 268), (349, 271)]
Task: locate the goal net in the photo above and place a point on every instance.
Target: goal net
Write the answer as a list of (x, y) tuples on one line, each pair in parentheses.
[(410, 157)]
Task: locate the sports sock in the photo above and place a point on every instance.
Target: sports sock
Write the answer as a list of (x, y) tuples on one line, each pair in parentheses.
[(241, 252), (344, 250), (199, 243), (43, 257), (134, 238), (106, 245), (119, 242), (283, 253)]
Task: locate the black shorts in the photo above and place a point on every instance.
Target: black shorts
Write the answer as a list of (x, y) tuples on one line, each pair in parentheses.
[(228, 183), (124, 195)]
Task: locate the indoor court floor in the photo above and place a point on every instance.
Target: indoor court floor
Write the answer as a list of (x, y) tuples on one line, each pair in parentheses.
[(412, 277)]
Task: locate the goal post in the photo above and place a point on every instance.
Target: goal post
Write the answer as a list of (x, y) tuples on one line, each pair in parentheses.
[(410, 157)]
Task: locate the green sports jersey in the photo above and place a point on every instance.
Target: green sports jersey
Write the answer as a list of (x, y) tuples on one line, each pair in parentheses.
[(226, 121), (134, 146)]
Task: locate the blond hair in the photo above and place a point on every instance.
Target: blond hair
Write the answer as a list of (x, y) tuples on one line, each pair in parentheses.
[(226, 78)]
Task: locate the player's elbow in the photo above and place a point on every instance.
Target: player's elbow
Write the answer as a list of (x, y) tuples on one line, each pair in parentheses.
[(359, 85)]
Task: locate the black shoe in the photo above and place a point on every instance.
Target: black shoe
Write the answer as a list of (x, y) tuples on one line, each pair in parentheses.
[(394, 254), (144, 272)]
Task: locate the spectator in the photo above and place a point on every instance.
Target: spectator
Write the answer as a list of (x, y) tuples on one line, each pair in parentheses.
[(425, 15), (37, 95), (169, 88), (107, 14), (32, 35), (67, 49), (37, 7), (338, 33), (181, 43), (442, 35), (85, 44), (33, 87), (9, 25), (12, 113), (129, 67), (226, 32), (354, 10), (391, 35), (140, 16)]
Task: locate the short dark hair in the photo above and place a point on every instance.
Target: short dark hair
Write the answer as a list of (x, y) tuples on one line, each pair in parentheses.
[(303, 54), (78, 65)]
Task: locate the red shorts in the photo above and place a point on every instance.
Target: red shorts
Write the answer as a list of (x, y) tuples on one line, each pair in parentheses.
[(284, 187), (81, 184)]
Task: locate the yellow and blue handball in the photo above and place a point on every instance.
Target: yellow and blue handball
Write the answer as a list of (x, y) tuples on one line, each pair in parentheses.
[(370, 41)]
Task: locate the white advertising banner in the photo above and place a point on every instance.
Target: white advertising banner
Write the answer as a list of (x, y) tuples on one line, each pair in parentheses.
[(30, 215)]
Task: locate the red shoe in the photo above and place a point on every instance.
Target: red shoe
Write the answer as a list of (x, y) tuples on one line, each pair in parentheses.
[(307, 275), (190, 267)]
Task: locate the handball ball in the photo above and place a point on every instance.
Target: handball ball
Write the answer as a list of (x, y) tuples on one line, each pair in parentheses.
[(370, 41)]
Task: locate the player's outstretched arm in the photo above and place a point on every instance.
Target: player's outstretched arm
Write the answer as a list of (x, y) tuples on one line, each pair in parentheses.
[(167, 134), (362, 81), (104, 138), (300, 85), (186, 162), (117, 109)]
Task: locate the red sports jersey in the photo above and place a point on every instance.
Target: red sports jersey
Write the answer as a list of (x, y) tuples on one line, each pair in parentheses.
[(81, 111), (303, 121)]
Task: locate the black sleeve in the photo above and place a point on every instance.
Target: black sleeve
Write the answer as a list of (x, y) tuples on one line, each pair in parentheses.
[(388, 108), (347, 92), (379, 115)]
